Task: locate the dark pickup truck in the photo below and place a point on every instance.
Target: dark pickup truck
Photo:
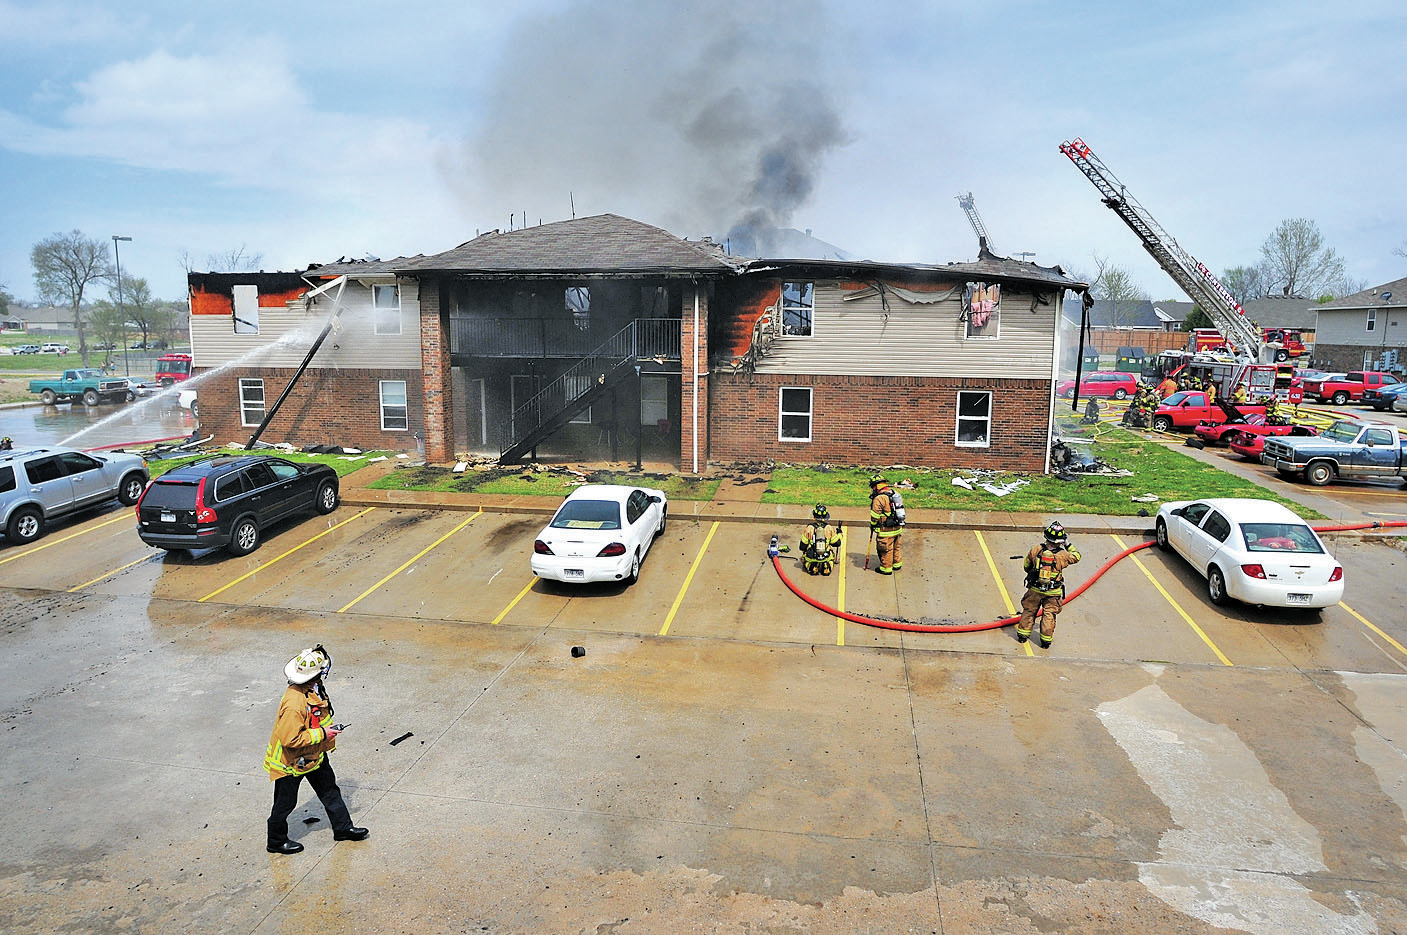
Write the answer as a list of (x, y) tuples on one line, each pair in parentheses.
[(1348, 448), (88, 385)]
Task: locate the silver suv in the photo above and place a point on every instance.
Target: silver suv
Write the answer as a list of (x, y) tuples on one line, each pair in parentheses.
[(39, 484)]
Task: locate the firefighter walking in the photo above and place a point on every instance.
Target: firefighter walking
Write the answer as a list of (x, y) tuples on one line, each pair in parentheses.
[(1045, 568), (820, 542), (886, 524)]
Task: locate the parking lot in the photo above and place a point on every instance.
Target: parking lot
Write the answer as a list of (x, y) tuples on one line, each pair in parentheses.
[(723, 757)]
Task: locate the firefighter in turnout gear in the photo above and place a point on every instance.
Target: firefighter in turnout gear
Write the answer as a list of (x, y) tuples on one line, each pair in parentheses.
[(302, 738), (1045, 583), (886, 524), (820, 543)]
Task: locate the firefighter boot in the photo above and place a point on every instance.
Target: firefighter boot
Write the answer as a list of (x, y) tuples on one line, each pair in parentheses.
[(1022, 635), (1046, 641)]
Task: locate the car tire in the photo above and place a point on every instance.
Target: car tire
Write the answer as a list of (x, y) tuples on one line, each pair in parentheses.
[(195, 410), (1069, 394), (244, 537), (48, 397), (1339, 398), (1281, 357), (131, 396), (326, 499), (1319, 473), (664, 518), (634, 569), (26, 525), (167, 381), (91, 398), (129, 491), (1216, 586), (1162, 424), (1160, 533), (1121, 393)]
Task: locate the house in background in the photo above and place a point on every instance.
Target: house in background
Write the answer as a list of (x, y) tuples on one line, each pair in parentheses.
[(601, 338), (1364, 331)]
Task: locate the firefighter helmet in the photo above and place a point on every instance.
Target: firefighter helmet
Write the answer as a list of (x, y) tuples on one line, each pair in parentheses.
[(311, 663), (876, 480), (1055, 534), (820, 512)]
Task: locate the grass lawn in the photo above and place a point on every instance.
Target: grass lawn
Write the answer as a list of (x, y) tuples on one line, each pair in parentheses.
[(531, 482), (1157, 469), (16, 390), (338, 463)]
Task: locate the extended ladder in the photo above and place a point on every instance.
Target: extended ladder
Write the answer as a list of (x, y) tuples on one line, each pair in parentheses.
[(1194, 277)]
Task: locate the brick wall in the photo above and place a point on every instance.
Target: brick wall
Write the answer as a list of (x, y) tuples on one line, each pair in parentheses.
[(327, 407), (1345, 357), (879, 420), (686, 402), (438, 391)]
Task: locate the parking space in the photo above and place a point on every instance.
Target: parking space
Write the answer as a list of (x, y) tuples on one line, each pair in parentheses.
[(714, 580)]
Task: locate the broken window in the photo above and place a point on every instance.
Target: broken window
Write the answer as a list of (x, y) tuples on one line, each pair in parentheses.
[(798, 307), (974, 428), (251, 400), (246, 309), (386, 308), (795, 421), (395, 415), (579, 305), (981, 309)]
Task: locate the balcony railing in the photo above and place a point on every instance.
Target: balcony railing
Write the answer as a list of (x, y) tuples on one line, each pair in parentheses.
[(550, 337)]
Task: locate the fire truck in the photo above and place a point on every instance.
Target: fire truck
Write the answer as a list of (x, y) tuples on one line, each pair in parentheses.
[(1283, 343), (173, 368), (1241, 338)]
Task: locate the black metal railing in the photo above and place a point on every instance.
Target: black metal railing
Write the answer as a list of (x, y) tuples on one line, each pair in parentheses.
[(526, 337), (642, 339)]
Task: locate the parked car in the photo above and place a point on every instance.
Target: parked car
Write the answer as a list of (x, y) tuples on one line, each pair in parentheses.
[(1348, 387), (1187, 409), (1249, 442), (105, 347), (1382, 398), (54, 347), (1100, 383), (27, 349), (1349, 448), (230, 501), (40, 484), (601, 532), (186, 399), (87, 384), (1255, 551)]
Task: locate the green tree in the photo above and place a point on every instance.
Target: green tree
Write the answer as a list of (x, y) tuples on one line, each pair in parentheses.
[(1297, 262), (1196, 319), (139, 305), (65, 265), (106, 322)]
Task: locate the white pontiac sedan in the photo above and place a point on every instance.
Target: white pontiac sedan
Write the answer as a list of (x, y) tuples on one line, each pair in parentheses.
[(601, 532), (1254, 551)]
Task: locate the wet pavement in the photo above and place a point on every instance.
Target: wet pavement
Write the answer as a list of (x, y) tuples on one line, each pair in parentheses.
[(81, 426), (722, 757)]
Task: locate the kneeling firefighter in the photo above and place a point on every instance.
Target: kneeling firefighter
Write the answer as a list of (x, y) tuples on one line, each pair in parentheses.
[(886, 524), (1045, 583), (820, 542)]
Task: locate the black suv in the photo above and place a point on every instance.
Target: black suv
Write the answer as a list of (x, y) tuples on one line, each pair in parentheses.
[(230, 501)]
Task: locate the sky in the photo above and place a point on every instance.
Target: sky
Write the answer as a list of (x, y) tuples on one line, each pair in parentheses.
[(307, 133)]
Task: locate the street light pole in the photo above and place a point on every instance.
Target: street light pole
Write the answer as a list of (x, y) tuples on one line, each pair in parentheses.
[(121, 312)]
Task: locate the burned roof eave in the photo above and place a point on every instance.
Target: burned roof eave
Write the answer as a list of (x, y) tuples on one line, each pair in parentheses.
[(572, 274), (989, 271)]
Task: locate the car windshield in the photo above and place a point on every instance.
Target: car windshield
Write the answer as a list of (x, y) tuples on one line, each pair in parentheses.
[(588, 514), (168, 495), (1176, 399), (1341, 432), (1279, 537)]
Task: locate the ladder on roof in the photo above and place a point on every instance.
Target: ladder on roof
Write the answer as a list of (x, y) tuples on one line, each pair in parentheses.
[(1194, 277), (969, 208)]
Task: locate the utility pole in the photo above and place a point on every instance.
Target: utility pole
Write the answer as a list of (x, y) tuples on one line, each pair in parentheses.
[(121, 311)]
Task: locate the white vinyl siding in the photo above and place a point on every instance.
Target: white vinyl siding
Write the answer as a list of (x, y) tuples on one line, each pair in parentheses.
[(352, 344), (251, 401), (864, 338), (395, 417)]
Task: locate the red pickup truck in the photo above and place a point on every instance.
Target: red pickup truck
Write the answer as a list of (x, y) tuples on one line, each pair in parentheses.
[(1186, 408), (1349, 387)]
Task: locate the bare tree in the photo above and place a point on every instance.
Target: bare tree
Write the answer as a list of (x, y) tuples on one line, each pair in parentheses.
[(1244, 282), (64, 266), (138, 305), (1296, 261), (237, 260), (1401, 250), (1116, 290)]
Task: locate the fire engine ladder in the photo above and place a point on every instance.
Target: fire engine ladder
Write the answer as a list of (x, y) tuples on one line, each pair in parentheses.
[(1194, 277), (969, 208)]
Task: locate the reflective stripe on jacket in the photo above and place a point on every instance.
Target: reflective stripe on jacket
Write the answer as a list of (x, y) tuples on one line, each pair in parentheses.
[(881, 509), (298, 742), (1064, 558)]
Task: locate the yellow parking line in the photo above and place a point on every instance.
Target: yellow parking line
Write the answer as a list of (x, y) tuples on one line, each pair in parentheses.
[(513, 603), (688, 579), (840, 599), (415, 558), (81, 532), (1001, 585), (264, 565), (1363, 620), (116, 571), (1182, 613)]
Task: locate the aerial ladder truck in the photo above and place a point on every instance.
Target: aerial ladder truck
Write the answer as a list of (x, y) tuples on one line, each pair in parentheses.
[(1243, 338)]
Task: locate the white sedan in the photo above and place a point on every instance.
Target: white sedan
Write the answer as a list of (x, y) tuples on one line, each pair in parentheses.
[(601, 532), (1254, 551)]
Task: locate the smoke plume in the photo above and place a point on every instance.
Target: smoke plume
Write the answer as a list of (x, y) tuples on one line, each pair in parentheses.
[(705, 118)]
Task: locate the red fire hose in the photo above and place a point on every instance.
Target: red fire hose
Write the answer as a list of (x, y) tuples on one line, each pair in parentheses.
[(911, 627)]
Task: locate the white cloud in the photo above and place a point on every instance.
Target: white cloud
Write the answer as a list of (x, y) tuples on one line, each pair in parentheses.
[(44, 24)]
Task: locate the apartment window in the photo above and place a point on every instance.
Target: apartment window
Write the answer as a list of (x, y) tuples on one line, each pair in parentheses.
[(386, 308), (982, 309), (798, 307), (974, 419), (394, 414), (246, 309), (795, 421), (1372, 320), (251, 401), (579, 305)]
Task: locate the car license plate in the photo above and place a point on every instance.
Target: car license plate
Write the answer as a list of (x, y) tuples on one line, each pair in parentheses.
[(581, 573), (168, 517), (1297, 598)]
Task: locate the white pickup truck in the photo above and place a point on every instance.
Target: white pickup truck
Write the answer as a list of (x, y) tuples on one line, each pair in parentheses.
[(1349, 448)]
